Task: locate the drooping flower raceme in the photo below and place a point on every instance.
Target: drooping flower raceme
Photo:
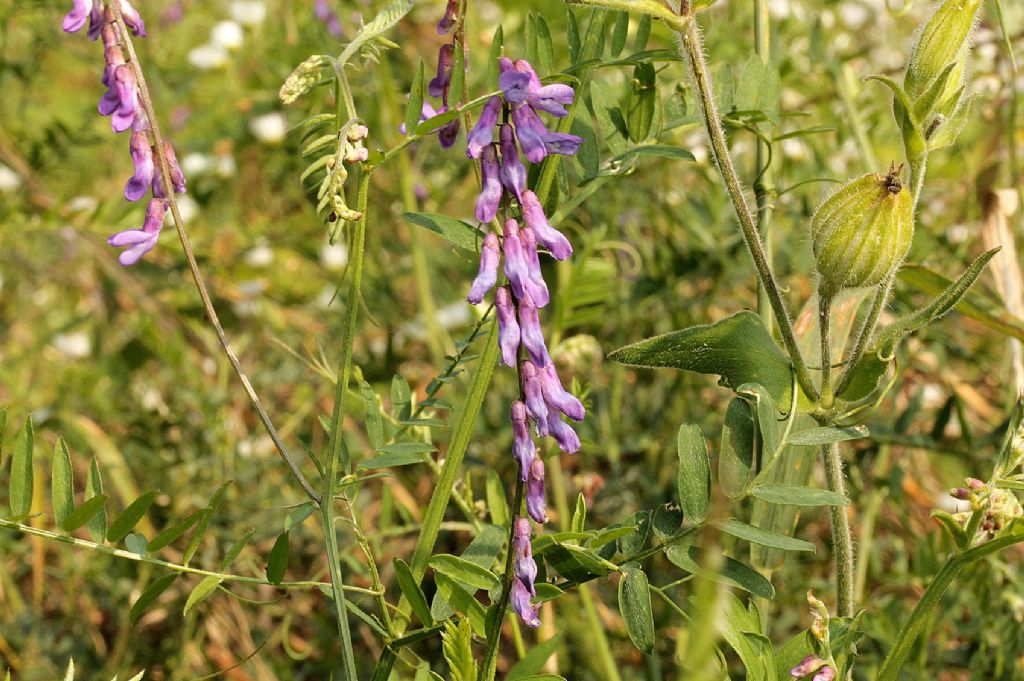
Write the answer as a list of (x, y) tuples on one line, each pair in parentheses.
[(122, 103), (518, 304), (440, 85)]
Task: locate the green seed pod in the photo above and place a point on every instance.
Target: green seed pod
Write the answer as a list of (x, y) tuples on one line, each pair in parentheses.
[(944, 40), (862, 232)]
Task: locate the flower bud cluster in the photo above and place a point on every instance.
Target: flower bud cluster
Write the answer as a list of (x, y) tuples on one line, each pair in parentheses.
[(521, 339), (999, 507), (441, 84), (332, 190), (122, 102)]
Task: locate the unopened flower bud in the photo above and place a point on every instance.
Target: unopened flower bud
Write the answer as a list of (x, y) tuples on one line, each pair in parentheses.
[(490, 253), (356, 154), (508, 327), (523, 447), (862, 232), (944, 40), (357, 132), (536, 500)]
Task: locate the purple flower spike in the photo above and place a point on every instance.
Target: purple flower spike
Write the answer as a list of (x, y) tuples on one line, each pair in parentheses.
[(524, 66), (75, 19), (522, 443), (558, 397), (562, 143), (488, 274), (514, 85), (513, 174), (533, 335), (133, 19), (520, 602), (553, 99), (490, 185), (534, 393), (568, 440), (128, 99), (482, 133), (522, 554), (539, 288), (438, 86), (536, 502), (142, 157), (508, 328), (531, 139), (447, 22), (516, 268), (547, 236)]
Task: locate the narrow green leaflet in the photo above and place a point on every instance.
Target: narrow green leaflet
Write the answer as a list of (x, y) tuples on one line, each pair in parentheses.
[(767, 418), (736, 456), (656, 151), (232, 554), (462, 601), (815, 437), (174, 531), (757, 535), (94, 489), (414, 108), (84, 513), (579, 516), (201, 592), (620, 31), (493, 65), (62, 488), (635, 607), (374, 420), (497, 502), (462, 234), (738, 348), (128, 518), (732, 571), (375, 29), (469, 575), (694, 477), (299, 514), (277, 564), (641, 102), (21, 484), (413, 593), (457, 647), (795, 495), (531, 663), (204, 523), (393, 459)]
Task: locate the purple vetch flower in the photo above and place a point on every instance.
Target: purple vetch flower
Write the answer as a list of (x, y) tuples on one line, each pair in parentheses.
[(532, 334), (562, 143), (133, 19), (530, 132), (127, 98), (516, 268), (482, 133), (536, 501), (447, 22), (75, 19), (825, 674), (142, 158), (558, 397), (488, 274), (520, 602), (547, 236), (811, 664), (177, 177), (524, 566), (508, 327), (514, 85), (567, 439), (141, 241), (540, 294), (449, 134), (553, 99), (513, 174), (523, 447), (440, 84), (533, 391), (490, 185)]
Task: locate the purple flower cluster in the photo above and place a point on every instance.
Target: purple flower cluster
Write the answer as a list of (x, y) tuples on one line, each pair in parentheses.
[(122, 103), (503, 176), (323, 12), (440, 85)]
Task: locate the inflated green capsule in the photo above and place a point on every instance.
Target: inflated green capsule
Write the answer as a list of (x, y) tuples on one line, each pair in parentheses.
[(944, 40), (862, 232)]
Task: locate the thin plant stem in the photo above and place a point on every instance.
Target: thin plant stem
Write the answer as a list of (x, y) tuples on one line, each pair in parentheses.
[(693, 52), (824, 312), (193, 266), (763, 188), (842, 539)]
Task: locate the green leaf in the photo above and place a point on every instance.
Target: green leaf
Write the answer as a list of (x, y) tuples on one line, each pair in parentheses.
[(736, 455), (497, 502), (576, 563), (545, 48), (152, 592), (20, 487), (94, 489), (731, 571), (299, 514), (69, 674), (392, 459), (371, 410), (620, 31), (767, 419), (204, 523), (641, 102), (201, 592), (458, 70), (277, 564), (694, 477), (124, 522), (757, 535), (738, 348), (84, 513), (412, 592), (401, 398), (136, 543), (457, 232), (635, 607), (414, 108), (643, 33), (903, 111), (174, 531), (758, 90), (531, 663), (579, 516), (741, 629), (482, 551), (462, 601), (657, 151), (464, 572), (375, 28), (493, 65), (815, 437), (457, 647), (62, 487), (795, 495), (955, 530), (437, 122), (236, 549)]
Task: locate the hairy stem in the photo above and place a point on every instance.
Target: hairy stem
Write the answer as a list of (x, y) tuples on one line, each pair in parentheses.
[(693, 52), (824, 312), (763, 188), (842, 539), (193, 266)]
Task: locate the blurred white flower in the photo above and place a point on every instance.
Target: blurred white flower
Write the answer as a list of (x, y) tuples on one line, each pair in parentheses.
[(779, 9), (227, 34), (958, 233), (76, 344), (196, 164), (224, 165), (187, 207), (207, 57), (259, 256), (269, 128), (249, 12), (854, 15), (9, 180), (334, 256), (83, 204)]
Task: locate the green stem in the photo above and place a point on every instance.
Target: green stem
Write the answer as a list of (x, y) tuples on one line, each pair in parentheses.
[(842, 539), (193, 265), (824, 310), (763, 189), (692, 51)]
